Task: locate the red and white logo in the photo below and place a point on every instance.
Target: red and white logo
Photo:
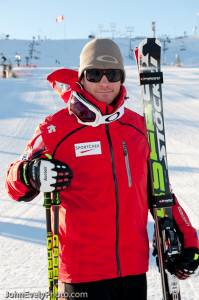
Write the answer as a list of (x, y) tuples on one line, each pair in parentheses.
[(90, 148)]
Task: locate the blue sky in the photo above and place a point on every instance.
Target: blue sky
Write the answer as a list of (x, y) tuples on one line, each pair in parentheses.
[(23, 19)]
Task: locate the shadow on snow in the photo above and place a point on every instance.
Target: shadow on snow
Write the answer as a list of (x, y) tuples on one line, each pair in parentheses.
[(184, 169), (23, 232)]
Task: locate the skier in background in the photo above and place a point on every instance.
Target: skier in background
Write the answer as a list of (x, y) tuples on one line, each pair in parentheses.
[(4, 65), (99, 166), (18, 59), (3, 59)]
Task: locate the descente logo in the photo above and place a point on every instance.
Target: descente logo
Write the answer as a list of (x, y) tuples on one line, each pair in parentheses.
[(90, 148)]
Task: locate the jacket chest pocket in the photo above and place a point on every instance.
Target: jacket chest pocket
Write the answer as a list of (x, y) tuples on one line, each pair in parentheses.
[(127, 164)]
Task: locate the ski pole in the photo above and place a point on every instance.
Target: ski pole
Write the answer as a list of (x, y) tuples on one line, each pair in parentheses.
[(47, 204), (55, 202), (52, 199)]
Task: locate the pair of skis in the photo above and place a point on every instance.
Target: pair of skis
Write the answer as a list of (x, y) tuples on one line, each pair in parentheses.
[(167, 243)]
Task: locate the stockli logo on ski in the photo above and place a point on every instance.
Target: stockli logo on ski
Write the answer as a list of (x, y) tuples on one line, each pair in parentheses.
[(151, 78)]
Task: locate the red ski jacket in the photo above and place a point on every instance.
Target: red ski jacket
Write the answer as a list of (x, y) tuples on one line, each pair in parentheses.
[(103, 213)]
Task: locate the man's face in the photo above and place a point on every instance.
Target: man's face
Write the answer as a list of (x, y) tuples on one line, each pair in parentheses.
[(104, 90)]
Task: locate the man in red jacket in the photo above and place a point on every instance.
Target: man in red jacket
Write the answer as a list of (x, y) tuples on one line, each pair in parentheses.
[(99, 153)]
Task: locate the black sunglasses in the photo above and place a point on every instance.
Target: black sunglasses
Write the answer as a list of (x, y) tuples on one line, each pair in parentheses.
[(95, 75)]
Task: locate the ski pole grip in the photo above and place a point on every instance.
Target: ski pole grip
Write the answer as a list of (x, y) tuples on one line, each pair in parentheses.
[(47, 200)]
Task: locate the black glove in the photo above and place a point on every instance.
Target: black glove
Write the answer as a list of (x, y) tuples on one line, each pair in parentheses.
[(184, 264), (46, 175)]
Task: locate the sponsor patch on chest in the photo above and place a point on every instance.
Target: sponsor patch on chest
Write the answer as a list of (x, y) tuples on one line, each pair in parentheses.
[(90, 148)]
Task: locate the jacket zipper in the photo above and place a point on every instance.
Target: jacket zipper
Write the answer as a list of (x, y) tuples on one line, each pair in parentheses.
[(128, 170), (116, 197)]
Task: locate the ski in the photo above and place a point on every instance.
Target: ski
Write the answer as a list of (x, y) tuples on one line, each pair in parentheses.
[(148, 56)]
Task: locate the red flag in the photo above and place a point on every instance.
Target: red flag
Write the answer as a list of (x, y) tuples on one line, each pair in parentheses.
[(60, 19)]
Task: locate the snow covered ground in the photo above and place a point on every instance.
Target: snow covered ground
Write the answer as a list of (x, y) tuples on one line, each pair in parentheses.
[(25, 101)]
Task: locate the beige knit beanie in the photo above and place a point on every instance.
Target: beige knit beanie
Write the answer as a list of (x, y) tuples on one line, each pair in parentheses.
[(100, 54)]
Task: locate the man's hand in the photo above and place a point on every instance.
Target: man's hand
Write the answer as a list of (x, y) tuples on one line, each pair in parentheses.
[(185, 264), (46, 175)]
